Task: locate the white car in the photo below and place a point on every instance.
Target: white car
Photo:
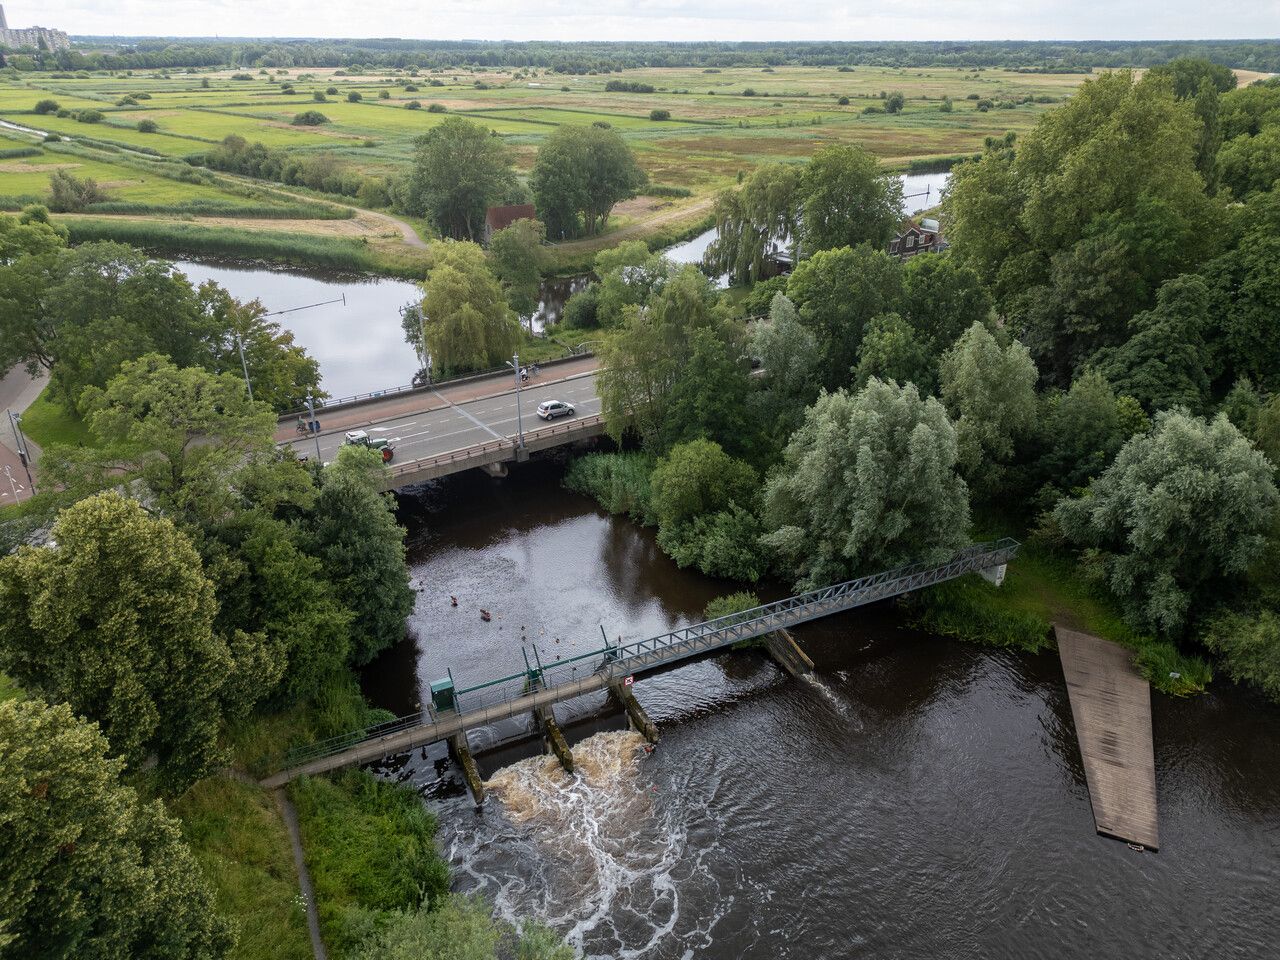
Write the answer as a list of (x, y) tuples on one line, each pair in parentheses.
[(550, 409)]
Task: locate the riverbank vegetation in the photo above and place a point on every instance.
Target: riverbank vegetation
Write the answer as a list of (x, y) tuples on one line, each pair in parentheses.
[(197, 599), (1088, 364)]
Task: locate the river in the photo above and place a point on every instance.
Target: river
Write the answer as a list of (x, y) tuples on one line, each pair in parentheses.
[(917, 798), (360, 344)]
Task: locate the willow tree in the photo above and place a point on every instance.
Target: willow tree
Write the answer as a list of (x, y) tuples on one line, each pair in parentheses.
[(466, 320), (867, 483), (753, 222)]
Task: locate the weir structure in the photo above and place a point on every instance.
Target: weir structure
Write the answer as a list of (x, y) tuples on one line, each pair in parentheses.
[(455, 709)]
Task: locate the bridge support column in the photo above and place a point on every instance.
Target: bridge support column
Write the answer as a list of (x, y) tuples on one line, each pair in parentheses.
[(495, 470), (994, 574), (639, 720), (470, 772), (787, 653), (552, 738)]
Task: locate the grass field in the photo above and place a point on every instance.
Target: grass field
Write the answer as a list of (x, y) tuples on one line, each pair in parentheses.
[(716, 129)]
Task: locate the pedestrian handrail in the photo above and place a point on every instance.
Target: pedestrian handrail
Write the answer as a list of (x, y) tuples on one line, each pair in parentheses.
[(618, 660), (478, 450)]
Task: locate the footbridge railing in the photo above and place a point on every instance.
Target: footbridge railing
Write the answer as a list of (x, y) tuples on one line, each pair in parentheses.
[(563, 679)]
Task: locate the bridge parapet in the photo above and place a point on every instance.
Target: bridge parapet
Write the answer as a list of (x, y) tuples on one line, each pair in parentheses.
[(492, 451)]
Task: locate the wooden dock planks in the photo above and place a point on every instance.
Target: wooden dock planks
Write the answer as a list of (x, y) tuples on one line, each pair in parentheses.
[(1111, 705)]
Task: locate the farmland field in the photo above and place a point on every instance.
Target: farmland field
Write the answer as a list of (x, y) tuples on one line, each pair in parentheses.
[(723, 122)]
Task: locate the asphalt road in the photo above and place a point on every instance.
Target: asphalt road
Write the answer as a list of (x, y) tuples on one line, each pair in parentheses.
[(468, 424)]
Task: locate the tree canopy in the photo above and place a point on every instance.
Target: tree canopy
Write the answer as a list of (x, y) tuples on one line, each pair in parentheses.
[(867, 483), (1181, 509), (848, 200), (459, 171), (117, 620), (580, 173), (467, 321), (88, 869)]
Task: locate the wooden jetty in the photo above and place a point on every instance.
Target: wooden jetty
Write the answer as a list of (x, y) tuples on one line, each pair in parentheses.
[(1111, 705)]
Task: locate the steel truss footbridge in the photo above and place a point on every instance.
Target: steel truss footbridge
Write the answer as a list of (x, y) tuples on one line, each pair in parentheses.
[(455, 709)]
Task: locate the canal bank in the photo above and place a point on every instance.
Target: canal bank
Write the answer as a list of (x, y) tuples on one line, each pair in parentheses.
[(916, 797)]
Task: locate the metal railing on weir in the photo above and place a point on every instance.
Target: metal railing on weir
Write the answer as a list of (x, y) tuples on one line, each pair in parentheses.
[(624, 659)]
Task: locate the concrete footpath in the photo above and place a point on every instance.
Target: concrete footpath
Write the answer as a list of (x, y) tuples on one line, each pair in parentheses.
[(425, 400), (17, 392)]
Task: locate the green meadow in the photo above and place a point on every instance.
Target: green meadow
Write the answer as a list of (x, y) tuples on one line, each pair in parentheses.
[(723, 122)]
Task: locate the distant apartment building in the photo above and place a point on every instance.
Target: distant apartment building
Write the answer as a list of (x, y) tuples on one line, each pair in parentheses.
[(35, 38)]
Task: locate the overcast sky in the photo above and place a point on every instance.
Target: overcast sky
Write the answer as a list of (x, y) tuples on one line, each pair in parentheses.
[(662, 19)]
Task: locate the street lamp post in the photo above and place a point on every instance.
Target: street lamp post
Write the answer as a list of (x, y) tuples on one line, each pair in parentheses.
[(23, 454), (514, 364), (244, 365), (311, 425)]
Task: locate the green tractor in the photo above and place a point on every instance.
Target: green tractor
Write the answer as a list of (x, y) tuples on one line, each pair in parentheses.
[(360, 438)]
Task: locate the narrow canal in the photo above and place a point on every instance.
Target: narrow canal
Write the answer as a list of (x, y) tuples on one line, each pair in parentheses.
[(918, 798)]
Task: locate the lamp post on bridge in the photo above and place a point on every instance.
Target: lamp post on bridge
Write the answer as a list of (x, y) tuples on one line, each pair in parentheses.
[(314, 427), (514, 364)]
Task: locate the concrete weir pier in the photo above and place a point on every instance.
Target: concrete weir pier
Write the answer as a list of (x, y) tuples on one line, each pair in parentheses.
[(1111, 707)]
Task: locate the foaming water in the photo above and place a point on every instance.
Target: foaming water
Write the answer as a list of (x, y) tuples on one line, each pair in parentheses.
[(915, 797), (608, 859)]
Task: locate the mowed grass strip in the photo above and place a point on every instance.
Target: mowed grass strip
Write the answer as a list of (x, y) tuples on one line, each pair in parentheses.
[(29, 176)]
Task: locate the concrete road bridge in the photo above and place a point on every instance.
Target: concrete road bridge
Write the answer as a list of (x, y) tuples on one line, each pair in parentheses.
[(476, 422), (536, 689)]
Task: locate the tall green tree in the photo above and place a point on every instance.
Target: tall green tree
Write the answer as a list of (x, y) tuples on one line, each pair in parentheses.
[(990, 391), (645, 366), (518, 257), (87, 868), (752, 222), (117, 620), (1082, 430), (1075, 230), (1166, 362), (353, 530), (578, 177), (467, 321), (1181, 511), (29, 235), (183, 432), (848, 200), (838, 293), (941, 299), (459, 170), (867, 483), (891, 350)]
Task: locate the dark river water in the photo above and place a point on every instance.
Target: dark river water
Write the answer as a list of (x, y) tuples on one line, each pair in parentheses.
[(917, 797)]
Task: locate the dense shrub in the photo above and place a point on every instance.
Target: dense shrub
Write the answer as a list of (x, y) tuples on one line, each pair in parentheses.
[(68, 194), (45, 106), (89, 116), (619, 482), (628, 86), (659, 114), (147, 126), (309, 118), (413, 105)]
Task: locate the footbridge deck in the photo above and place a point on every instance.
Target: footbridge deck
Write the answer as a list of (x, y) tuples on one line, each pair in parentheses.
[(541, 686)]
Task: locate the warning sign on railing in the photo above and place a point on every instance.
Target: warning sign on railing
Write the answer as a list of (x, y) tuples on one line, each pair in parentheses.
[(629, 681)]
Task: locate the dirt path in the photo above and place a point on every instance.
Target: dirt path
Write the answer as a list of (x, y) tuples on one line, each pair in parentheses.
[(290, 817)]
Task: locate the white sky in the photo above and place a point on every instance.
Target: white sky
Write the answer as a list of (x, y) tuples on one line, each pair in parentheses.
[(662, 19)]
